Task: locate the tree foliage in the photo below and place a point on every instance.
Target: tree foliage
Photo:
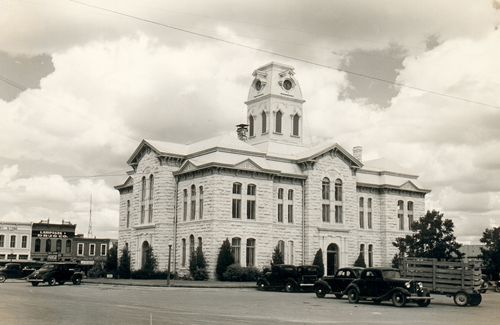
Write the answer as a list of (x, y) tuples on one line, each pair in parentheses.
[(318, 261), (111, 264), (198, 265), (432, 237), (124, 265), (491, 251), (224, 259), (360, 261), (277, 257), (150, 262)]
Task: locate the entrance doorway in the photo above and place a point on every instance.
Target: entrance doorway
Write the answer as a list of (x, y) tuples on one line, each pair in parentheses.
[(332, 259), (145, 246)]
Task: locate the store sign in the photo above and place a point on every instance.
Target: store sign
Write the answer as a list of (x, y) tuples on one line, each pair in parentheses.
[(52, 234), (87, 262), (8, 227)]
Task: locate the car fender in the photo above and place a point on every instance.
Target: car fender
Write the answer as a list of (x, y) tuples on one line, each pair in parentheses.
[(350, 286), (324, 284), (389, 293)]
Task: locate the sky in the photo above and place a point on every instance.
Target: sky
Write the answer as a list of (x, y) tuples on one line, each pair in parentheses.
[(80, 87)]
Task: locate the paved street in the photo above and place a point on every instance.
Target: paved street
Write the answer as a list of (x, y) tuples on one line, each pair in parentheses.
[(109, 304)]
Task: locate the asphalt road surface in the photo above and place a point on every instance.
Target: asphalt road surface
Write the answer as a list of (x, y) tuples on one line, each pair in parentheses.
[(20, 303)]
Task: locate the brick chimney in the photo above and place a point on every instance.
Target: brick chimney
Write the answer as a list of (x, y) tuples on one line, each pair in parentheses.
[(357, 152)]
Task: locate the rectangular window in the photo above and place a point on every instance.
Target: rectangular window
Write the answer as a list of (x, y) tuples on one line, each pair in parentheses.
[(193, 207), (235, 249), (236, 208), (290, 252), (251, 209), (401, 215), (68, 246), (185, 206), (23, 257), (361, 213), (104, 249), (12, 241), (184, 252), (280, 212), (92, 249), (2, 240), (250, 252), (80, 249), (150, 213), (24, 242), (325, 212), (338, 214), (410, 214), (143, 213), (200, 208), (290, 213), (369, 213)]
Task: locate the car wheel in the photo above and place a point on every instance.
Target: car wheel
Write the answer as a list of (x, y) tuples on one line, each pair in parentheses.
[(353, 296), (475, 299), (320, 291), (290, 286), (35, 284), (77, 281), (461, 299), (338, 295), (2, 278), (52, 282), (398, 299)]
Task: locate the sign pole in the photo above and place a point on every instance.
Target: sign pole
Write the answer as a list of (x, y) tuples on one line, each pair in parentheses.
[(168, 268)]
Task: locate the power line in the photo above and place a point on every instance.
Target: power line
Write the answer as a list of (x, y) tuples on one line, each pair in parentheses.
[(13, 83), (359, 74)]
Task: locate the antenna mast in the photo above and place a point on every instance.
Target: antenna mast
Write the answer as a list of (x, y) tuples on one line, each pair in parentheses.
[(89, 234)]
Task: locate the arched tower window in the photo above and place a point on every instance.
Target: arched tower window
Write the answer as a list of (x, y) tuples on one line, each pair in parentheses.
[(401, 220), (279, 116), (251, 125), (264, 122), (338, 201), (325, 196), (200, 208), (193, 202), (151, 186), (295, 124)]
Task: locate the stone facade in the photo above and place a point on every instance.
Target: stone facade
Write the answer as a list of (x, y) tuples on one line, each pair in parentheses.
[(263, 190)]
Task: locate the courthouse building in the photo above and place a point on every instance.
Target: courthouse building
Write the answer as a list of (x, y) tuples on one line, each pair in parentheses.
[(265, 187)]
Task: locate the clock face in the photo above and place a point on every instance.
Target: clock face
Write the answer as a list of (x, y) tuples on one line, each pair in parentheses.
[(287, 84), (258, 85)]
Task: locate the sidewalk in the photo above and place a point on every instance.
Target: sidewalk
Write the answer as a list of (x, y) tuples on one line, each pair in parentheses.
[(173, 283)]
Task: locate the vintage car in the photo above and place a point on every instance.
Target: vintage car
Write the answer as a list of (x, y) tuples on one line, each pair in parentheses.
[(291, 278), (57, 272), (337, 283), (379, 284), (14, 271)]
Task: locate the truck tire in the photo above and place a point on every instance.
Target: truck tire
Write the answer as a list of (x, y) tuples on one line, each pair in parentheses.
[(353, 295), (475, 299), (398, 299), (290, 286), (51, 282), (461, 298), (2, 278), (320, 291), (424, 303), (77, 281)]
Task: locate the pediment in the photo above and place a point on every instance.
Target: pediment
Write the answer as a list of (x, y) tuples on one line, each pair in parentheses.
[(143, 149), (248, 164), (187, 167), (409, 186)]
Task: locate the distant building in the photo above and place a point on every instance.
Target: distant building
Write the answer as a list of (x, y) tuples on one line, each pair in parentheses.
[(15, 241), (472, 252), (264, 188), (52, 241), (89, 251)]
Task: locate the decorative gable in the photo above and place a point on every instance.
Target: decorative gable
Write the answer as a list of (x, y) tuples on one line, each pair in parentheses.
[(248, 164), (187, 167), (409, 186)]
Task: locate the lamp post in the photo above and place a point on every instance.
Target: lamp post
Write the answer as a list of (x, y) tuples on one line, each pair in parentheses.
[(168, 267)]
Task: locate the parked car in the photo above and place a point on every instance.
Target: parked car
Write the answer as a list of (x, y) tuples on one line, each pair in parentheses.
[(14, 271), (337, 283), (379, 284), (53, 273), (291, 278)]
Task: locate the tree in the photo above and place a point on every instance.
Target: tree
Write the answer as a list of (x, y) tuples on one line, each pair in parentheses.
[(277, 256), (198, 265), (318, 260), (224, 259), (124, 265), (150, 262), (360, 261), (111, 264), (432, 238), (491, 252)]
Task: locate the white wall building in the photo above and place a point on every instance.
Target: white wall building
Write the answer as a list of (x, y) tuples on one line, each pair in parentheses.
[(15, 241), (266, 189)]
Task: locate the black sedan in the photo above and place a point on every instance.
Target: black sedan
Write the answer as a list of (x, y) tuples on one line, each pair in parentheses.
[(337, 283)]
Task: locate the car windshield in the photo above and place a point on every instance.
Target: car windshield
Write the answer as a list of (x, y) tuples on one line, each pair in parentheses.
[(391, 274), (47, 267)]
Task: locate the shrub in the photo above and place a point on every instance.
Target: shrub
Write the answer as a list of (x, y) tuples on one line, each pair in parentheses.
[(111, 264), (97, 271), (318, 261), (141, 274), (235, 272), (224, 259), (360, 261), (198, 265), (150, 262), (124, 266), (277, 256)]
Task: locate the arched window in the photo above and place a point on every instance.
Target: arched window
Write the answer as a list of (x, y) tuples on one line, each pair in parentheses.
[(236, 207), (280, 205), (325, 196), (279, 116), (325, 189), (58, 245), (361, 212), (128, 214), (236, 249), (48, 245), (251, 125), (410, 214), (37, 244), (183, 259), (200, 242), (150, 207), (369, 213), (332, 259), (362, 251), (290, 206), (401, 220), (191, 244), (295, 125), (151, 187), (12, 241), (68, 246), (24, 241), (143, 198), (338, 201), (250, 252), (370, 255), (193, 202), (251, 190), (290, 252), (184, 204), (264, 122), (281, 248), (200, 208), (145, 248)]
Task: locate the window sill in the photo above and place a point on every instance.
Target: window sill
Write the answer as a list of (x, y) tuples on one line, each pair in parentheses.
[(294, 136), (145, 226), (277, 133)]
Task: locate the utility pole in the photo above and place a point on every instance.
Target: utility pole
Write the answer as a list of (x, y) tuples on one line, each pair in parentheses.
[(89, 233)]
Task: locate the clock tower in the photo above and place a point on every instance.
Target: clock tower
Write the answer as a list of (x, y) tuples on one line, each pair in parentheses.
[(274, 106)]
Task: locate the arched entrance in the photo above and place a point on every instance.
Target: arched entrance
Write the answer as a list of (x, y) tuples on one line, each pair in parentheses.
[(332, 259), (145, 246)]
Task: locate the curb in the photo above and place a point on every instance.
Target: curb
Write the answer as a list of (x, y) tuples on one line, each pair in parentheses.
[(173, 285)]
